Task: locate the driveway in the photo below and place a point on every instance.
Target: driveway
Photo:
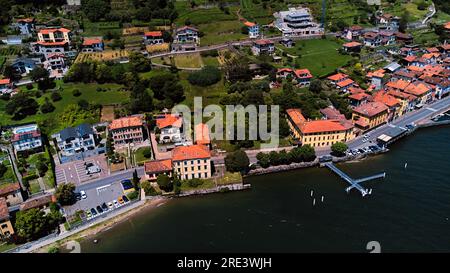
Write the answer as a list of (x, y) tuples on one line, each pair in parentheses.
[(75, 171)]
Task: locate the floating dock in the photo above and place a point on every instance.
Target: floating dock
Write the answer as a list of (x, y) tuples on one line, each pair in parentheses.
[(354, 183)]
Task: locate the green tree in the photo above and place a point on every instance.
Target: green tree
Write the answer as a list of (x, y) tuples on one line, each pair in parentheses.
[(135, 180), (164, 183), (55, 96), (237, 161), (31, 224), (339, 148), (263, 160), (308, 153), (95, 9), (207, 76), (139, 63), (21, 105), (315, 86), (65, 194), (403, 24), (47, 106)]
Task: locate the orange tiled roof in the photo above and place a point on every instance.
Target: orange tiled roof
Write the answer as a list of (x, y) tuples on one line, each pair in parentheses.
[(337, 77), (126, 122), (355, 90), (4, 212), (378, 73), (202, 134), (263, 42), (414, 68), (284, 69), (12, 187), (432, 49), (352, 44), (417, 89), (401, 95), (303, 73), (362, 123), (169, 120), (249, 24), (317, 126), (386, 99), (50, 30), (410, 58), (182, 153), (447, 25), (371, 109), (153, 33), (158, 166), (345, 83), (91, 41), (359, 96), (5, 81), (400, 84)]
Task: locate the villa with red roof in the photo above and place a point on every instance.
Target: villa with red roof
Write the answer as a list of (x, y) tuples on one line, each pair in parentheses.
[(53, 40), (170, 126), (352, 47), (153, 37), (6, 86), (263, 46), (6, 228), (92, 44), (319, 133), (127, 130), (192, 161), (156, 167), (253, 29), (369, 115)]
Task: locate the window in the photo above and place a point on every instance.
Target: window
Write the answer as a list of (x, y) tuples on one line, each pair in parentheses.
[(4, 226)]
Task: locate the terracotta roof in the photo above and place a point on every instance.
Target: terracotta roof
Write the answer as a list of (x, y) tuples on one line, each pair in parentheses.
[(264, 42), (91, 41), (352, 44), (169, 120), (284, 69), (53, 55), (417, 89), (362, 123), (432, 49), (187, 27), (9, 188), (345, 83), (332, 113), (410, 58), (158, 166), (51, 30), (337, 77), (445, 46), (447, 25), (125, 122), (303, 73), (202, 134), (356, 28), (355, 90), (28, 134), (249, 24), (401, 35), (370, 35), (51, 43), (182, 153), (359, 96), (37, 202), (387, 33), (371, 109), (4, 212), (153, 33), (378, 73), (386, 99), (401, 95), (400, 84), (5, 81), (317, 126)]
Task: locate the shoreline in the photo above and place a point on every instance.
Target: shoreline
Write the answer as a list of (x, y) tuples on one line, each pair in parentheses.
[(105, 225)]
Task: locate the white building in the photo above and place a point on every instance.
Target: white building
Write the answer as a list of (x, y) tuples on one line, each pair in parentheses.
[(170, 126), (26, 138), (296, 22)]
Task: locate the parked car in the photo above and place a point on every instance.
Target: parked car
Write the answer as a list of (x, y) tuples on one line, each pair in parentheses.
[(89, 214), (120, 199), (116, 204), (125, 199), (93, 211), (78, 196), (104, 207), (99, 209), (110, 205), (83, 194)]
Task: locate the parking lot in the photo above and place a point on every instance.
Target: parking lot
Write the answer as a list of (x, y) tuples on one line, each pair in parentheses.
[(96, 197), (75, 171)]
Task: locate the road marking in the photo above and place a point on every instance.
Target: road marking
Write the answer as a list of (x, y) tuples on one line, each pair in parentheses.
[(431, 109)]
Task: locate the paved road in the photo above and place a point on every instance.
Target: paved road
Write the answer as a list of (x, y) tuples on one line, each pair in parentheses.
[(110, 179)]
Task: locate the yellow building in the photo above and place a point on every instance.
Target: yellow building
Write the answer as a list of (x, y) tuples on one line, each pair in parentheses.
[(370, 115), (6, 228), (192, 161), (319, 133)]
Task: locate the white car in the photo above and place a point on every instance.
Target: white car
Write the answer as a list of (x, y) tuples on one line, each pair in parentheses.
[(83, 195), (110, 205), (116, 204)]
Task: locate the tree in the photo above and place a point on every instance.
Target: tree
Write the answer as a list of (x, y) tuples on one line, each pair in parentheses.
[(3, 169), (55, 96), (47, 106), (237, 69), (76, 92), (39, 73), (31, 224), (403, 24), (21, 105), (339, 148), (148, 188), (95, 9), (207, 76), (237, 161), (65, 194), (308, 152), (135, 180), (139, 63), (164, 183), (315, 86), (263, 160), (147, 152)]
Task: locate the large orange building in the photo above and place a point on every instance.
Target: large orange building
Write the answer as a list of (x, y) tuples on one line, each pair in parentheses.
[(192, 161), (318, 133), (127, 130), (370, 115)]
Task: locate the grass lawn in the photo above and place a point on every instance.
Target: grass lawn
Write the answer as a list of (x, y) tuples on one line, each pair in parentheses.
[(139, 155), (441, 17), (5, 247), (221, 32), (201, 15), (99, 28), (8, 176), (34, 186), (188, 60), (48, 178), (320, 56), (211, 61), (89, 93), (425, 36), (210, 94), (229, 178), (207, 184)]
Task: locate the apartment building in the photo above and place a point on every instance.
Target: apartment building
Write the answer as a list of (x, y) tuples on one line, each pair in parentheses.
[(192, 161), (127, 130), (370, 115)]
